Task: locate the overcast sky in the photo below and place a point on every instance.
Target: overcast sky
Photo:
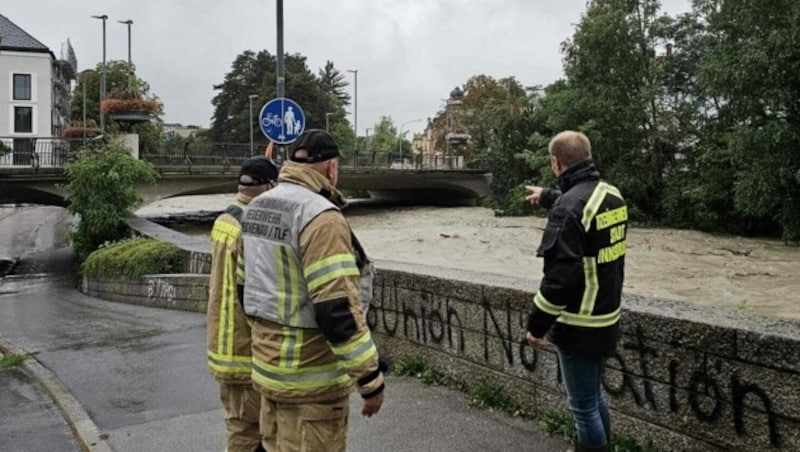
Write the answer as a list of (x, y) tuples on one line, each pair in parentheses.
[(409, 53)]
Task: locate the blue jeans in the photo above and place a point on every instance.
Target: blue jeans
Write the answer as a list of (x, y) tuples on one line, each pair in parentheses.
[(583, 379)]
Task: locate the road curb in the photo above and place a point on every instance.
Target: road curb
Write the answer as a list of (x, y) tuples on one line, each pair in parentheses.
[(83, 427)]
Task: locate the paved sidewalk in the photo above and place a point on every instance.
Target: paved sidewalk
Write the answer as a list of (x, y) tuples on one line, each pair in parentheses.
[(116, 377)]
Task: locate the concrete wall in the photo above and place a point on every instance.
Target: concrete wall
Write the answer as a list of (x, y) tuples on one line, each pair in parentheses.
[(685, 377), (39, 66)]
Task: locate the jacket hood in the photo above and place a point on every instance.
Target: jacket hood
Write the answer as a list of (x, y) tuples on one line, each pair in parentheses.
[(296, 173)]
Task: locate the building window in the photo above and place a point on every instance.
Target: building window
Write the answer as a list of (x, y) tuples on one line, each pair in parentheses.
[(23, 119), (22, 86)]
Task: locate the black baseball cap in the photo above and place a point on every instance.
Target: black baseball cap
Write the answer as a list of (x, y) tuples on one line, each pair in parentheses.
[(319, 144), (260, 169)]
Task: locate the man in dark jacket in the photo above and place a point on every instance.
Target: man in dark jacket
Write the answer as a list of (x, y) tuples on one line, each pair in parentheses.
[(578, 302)]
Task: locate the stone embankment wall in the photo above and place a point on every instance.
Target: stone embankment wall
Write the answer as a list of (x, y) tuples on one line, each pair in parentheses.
[(684, 377)]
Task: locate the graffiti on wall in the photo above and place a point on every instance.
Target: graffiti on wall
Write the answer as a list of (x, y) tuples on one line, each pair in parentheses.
[(440, 321), (161, 289)]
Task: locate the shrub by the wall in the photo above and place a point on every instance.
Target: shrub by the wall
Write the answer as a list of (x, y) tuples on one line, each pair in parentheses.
[(133, 257)]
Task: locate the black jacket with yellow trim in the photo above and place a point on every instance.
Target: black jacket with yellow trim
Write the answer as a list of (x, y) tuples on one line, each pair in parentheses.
[(583, 246)]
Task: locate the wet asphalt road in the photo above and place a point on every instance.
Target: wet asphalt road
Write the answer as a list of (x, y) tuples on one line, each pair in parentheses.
[(141, 373)]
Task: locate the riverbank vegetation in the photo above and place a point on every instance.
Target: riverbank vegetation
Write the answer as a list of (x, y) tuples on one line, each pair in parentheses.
[(131, 258), (102, 192), (695, 117)]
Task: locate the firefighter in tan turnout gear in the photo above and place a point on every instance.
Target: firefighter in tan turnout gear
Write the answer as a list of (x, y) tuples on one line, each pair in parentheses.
[(308, 284), (229, 356)]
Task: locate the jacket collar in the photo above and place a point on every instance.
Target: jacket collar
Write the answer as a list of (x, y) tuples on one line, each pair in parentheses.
[(302, 175), (243, 199), (580, 172)]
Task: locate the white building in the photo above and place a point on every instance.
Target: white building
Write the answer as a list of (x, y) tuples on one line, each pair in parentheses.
[(34, 88)]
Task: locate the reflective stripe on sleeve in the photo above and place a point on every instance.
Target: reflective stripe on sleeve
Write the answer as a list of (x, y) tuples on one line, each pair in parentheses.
[(545, 306), (330, 268), (354, 354)]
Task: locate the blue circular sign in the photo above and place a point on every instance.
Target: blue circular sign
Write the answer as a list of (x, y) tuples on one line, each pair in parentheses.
[(282, 120)]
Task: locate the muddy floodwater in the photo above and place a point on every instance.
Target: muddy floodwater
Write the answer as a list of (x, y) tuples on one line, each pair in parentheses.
[(732, 273)]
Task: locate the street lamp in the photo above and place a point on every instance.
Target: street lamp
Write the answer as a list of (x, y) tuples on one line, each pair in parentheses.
[(400, 138), (104, 17), (328, 121), (355, 106), (128, 23), (250, 98)]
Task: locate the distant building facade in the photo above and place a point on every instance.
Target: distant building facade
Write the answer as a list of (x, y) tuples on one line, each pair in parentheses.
[(35, 86)]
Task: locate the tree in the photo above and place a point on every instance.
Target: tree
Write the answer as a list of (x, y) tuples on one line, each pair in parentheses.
[(120, 80), (384, 136), (102, 192), (254, 73), (753, 66), (333, 82)]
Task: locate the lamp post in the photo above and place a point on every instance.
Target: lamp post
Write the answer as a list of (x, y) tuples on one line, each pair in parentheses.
[(400, 138), (128, 23), (355, 106), (328, 121), (104, 17), (250, 98)]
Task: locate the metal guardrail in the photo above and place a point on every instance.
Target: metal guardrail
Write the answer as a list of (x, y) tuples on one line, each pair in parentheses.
[(36, 152), (48, 152)]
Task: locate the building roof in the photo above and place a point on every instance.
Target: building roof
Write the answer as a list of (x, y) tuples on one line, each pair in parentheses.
[(13, 37)]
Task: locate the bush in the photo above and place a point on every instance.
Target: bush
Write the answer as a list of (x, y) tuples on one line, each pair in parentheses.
[(102, 192), (132, 258)]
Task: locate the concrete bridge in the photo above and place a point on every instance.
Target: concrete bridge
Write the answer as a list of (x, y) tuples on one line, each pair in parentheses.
[(421, 186)]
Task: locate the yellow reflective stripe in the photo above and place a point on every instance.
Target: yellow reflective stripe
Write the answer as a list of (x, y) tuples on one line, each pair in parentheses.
[(330, 268), (612, 217), (353, 354), (343, 257), (288, 307), (229, 364), (591, 285), (612, 190), (545, 306), (233, 358), (301, 378), (590, 321), (240, 270), (590, 209), (225, 232)]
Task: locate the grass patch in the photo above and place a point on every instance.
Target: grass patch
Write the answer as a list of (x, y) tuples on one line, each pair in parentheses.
[(489, 395), (561, 423), (414, 366), (12, 360), (132, 258)]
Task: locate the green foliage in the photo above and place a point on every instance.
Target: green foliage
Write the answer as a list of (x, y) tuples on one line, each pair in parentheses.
[(254, 73), (121, 81), (561, 423), (489, 395), (415, 366), (558, 423), (102, 191), (4, 149), (132, 258), (695, 117), (12, 360)]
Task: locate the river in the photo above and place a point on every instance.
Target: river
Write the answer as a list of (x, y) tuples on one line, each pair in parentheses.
[(733, 273)]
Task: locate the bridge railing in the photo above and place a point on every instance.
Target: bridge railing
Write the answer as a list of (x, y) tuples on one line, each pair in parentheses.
[(52, 152), (36, 152), (199, 154)]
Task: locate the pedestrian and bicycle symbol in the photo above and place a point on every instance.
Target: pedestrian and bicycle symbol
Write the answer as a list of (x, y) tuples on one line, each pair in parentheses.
[(282, 120)]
